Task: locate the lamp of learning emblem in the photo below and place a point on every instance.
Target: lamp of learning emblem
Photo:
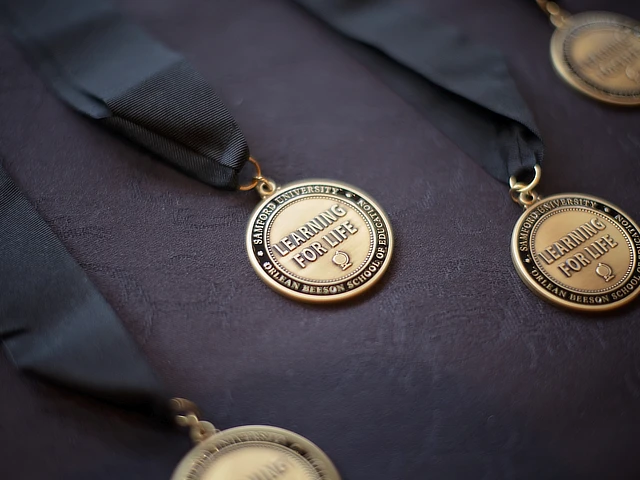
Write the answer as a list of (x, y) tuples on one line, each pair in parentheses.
[(342, 260)]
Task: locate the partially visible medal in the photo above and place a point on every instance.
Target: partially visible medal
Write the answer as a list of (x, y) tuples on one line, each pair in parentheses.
[(257, 452), (598, 53), (317, 240), (574, 250)]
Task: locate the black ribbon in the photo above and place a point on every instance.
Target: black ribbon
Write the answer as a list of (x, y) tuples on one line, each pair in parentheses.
[(463, 88), (111, 71), (54, 323)]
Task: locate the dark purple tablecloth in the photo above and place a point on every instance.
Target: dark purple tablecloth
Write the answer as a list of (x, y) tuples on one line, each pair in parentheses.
[(451, 369)]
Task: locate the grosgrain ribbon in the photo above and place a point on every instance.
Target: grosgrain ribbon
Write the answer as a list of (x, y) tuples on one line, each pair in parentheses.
[(54, 323), (110, 70), (463, 88)]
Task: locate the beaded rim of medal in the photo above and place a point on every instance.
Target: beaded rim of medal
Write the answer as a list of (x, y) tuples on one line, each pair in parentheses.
[(350, 194)]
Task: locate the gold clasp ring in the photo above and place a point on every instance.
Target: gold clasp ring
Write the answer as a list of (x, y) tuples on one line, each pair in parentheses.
[(187, 416), (265, 186), (523, 193), (557, 15), (256, 178)]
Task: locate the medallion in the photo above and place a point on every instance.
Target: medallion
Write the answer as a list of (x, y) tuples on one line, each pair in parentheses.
[(256, 452), (319, 241), (578, 251), (599, 54)]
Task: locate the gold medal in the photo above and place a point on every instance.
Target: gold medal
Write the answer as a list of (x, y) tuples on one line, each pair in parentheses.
[(598, 53), (256, 452), (318, 240), (249, 452), (575, 250)]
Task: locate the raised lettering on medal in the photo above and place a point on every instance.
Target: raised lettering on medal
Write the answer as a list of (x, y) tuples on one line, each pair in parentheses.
[(319, 241), (578, 252)]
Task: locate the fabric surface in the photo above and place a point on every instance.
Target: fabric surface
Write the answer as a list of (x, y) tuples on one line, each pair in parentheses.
[(450, 369)]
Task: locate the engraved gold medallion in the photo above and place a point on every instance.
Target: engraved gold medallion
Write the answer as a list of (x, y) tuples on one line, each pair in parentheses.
[(598, 53), (578, 251), (319, 240), (256, 452)]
